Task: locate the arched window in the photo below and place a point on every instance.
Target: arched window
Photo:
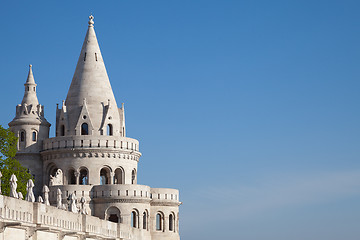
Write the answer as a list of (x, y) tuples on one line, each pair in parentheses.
[(84, 129), (113, 214), (22, 136), (159, 221), (62, 130), (71, 177), (109, 130), (104, 176), (119, 176), (83, 177), (171, 222), (133, 176), (34, 136), (134, 219), (145, 220)]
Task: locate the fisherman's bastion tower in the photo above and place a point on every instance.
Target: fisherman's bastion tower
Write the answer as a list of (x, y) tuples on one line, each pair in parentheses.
[(91, 156)]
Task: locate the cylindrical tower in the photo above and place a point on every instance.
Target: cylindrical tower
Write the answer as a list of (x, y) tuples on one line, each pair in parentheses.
[(31, 128), (92, 157)]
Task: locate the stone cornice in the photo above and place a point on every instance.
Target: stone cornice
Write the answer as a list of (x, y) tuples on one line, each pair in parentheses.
[(168, 204), (89, 153), (120, 200)]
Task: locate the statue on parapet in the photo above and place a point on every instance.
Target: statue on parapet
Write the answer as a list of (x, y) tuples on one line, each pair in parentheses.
[(20, 195), (73, 201), (83, 209), (40, 200), (30, 193), (57, 179), (46, 191), (58, 198), (13, 186)]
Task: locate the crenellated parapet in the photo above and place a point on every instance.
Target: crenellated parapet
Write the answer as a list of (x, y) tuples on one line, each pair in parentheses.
[(165, 197)]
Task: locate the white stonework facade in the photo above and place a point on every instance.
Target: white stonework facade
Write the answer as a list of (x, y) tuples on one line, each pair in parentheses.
[(90, 156)]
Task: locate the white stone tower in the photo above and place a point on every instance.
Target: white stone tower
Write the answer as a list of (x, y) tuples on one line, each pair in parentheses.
[(31, 127), (91, 157)]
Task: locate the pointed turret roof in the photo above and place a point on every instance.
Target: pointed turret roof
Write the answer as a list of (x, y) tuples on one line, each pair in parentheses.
[(90, 80), (29, 111), (91, 85), (30, 97)]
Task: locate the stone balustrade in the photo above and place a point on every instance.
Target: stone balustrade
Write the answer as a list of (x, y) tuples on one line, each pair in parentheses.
[(41, 217)]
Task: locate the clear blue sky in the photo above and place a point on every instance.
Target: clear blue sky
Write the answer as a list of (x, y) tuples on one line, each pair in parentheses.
[(250, 108)]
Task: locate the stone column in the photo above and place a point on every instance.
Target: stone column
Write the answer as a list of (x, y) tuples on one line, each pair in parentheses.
[(112, 174), (77, 174), (166, 223)]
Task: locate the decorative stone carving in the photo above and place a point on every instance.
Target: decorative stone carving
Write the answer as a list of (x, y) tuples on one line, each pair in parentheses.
[(20, 195), (64, 207), (40, 199), (83, 209), (46, 191), (30, 194), (58, 198), (57, 179), (73, 200), (13, 186)]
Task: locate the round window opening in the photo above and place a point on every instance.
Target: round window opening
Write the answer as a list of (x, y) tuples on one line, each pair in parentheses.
[(109, 118), (84, 117)]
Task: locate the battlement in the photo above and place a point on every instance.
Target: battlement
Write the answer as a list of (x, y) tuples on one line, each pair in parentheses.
[(92, 142), (124, 191), (164, 195)]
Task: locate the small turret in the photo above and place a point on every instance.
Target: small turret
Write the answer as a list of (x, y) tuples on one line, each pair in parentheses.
[(30, 97), (31, 128)]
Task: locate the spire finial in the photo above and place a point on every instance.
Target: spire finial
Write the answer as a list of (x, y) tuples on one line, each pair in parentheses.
[(91, 21), (30, 65)]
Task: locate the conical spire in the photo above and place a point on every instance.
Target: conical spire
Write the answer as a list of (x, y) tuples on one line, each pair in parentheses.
[(30, 97), (30, 78), (90, 82)]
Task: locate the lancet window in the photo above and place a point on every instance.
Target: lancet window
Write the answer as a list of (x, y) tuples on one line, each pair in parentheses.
[(84, 129)]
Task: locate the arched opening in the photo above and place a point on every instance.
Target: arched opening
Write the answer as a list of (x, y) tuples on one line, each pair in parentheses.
[(104, 176), (62, 130), (119, 176), (109, 130), (134, 219), (34, 136), (71, 177), (171, 222), (51, 171), (113, 215), (145, 216), (159, 221), (22, 136), (83, 177), (84, 129), (133, 176)]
